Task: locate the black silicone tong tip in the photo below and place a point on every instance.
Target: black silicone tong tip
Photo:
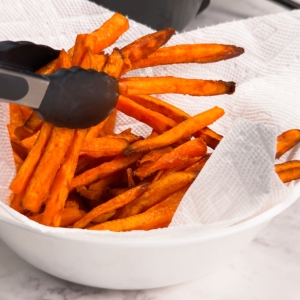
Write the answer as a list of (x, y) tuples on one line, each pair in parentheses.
[(25, 55), (78, 98)]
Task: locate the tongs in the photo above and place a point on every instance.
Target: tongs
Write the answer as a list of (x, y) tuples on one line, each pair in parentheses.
[(73, 98)]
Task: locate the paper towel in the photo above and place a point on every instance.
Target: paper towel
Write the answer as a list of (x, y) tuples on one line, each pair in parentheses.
[(238, 181)]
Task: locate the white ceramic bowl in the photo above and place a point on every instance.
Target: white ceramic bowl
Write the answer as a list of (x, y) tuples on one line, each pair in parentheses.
[(132, 264)]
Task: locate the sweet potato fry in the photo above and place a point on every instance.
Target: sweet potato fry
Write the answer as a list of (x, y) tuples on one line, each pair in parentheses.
[(210, 137), (63, 61), (153, 156), (15, 202), (70, 216), (15, 115), (95, 190), (61, 184), (155, 193), (197, 166), (94, 131), (286, 141), (114, 63), (158, 216), (30, 141), (82, 44), (174, 85), (161, 107), (288, 171), (93, 61), (32, 125), (130, 179), (188, 53), (181, 130), (157, 121), (176, 157), (111, 205), (109, 125), (103, 146), (110, 31), (104, 170), (147, 44), (46, 169), (20, 182), (106, 35), (18, 161), (103, 218)]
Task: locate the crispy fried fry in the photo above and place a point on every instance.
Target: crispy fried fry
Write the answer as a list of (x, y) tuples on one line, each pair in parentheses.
[(18, 161), (104, 170), (158, 216), (30, 141), (15, 202), (103, 218), (32, 125), (61, 184), (114, 64), (157, 121), (188, 53), (15, 115), (288, 171), (182, 130), (63, 61), (20, 182), (93, 61), (210, 137), (130, 179), (111, 205), (197, 166), (176, 157), (103, 146), (286, 141), (109, 125), (155, 193), (147, 44), (70, 216), (95, 190), (49, 163), (153, 156), (161, 107), (174, 85)]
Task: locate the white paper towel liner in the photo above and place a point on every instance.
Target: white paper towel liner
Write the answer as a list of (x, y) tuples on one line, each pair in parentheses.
[(238, 181)]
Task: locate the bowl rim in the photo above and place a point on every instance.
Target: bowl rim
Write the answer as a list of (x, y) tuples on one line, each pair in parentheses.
[(129, 242)]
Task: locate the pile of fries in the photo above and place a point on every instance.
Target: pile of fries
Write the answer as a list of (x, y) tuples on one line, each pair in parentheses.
[(97, 179)]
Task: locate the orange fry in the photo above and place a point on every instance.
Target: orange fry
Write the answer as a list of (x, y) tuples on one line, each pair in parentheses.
[(181, 130), (104, 170), (174, 158), (147, 44), (114, 64), (29, 142), (111, 205), (15, 202), (31, 126), (155, 193), (46, 169), (197, 166), (188, 53), (61, 184), (82, 44), (18, 161), (159, 216), (211, 138), (103, 146), (109, 125), (63, 61), (23, 177), (70, 216), (174, 85), (15, 115), (288, 171), (286, 141), (157, 121), (161, 107), (95, 190), (93, 61), (153, 156), (103, 218)]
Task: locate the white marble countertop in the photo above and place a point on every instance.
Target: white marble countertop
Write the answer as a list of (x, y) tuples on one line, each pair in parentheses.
[(269, 267)]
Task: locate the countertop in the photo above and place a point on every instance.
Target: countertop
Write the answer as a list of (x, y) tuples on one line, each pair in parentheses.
[(268, 268)]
